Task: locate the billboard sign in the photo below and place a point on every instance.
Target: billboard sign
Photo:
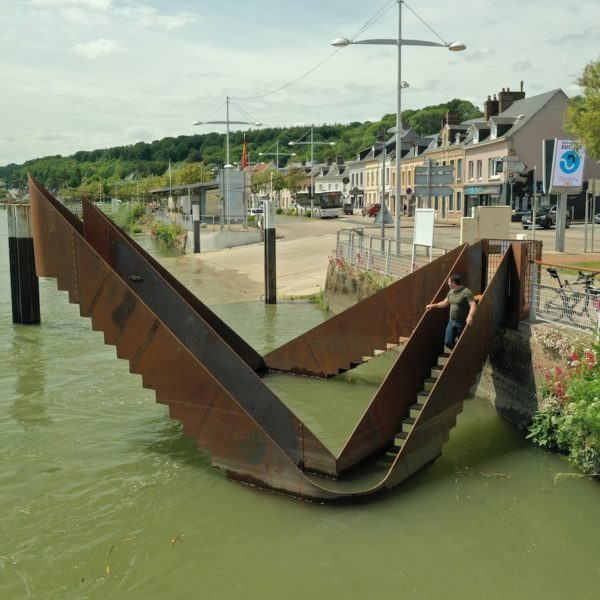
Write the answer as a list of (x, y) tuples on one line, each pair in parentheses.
[(567, 167)]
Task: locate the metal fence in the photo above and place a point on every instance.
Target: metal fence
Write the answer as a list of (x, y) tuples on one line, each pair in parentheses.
[(375, 253), (210, 222), (565, 306)]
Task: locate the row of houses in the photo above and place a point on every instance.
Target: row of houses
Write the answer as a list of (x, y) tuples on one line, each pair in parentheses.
[(497, 160)]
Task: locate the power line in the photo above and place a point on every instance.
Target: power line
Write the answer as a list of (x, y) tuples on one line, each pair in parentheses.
[(370, 22)]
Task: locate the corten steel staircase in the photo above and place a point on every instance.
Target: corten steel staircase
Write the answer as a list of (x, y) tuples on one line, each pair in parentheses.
[(210, 378)]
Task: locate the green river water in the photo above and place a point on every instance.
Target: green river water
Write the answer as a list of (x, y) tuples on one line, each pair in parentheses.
[(102, 496)]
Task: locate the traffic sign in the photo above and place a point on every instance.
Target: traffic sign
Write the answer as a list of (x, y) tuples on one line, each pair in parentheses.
[(433, 190), (433, 179)]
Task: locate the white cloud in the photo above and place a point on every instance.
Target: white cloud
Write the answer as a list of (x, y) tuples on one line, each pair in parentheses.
[(148, 17), (70, 4), (97, 48)]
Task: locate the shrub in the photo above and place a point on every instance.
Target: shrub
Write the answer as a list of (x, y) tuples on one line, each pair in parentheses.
[(167, 234), (128, 217), (569, 418)]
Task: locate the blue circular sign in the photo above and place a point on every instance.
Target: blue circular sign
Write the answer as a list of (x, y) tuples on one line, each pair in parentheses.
[(569, 162)]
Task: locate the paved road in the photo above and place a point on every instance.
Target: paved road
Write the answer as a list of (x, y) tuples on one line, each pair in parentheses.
[(303, 249)]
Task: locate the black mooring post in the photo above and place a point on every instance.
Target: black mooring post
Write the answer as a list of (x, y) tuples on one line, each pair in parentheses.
[(196, 219), (270, 273), (24, 286)]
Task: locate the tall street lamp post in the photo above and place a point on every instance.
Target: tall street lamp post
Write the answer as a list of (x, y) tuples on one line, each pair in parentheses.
[(227, 122), (277, 154), (312, 152), (399, 42)]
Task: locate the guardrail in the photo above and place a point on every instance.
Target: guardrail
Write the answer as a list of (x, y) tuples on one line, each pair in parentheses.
[(374, 253), (211, 222)]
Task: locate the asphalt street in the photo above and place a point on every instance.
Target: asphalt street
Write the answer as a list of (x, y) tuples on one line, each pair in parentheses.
[(304, 247)]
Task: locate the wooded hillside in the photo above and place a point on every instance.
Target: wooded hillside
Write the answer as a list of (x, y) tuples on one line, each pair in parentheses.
[(100, 171)]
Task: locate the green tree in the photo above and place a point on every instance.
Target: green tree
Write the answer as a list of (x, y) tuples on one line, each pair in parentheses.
[(582, 118), (188, 174)]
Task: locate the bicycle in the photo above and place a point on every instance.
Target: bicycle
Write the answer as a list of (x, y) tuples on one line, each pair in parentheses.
[(563, 305)]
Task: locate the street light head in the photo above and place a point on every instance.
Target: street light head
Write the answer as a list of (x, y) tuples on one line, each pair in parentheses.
[(197, 122), (257, 124), (404, 84), (340, 42), (457, 46), (290, 143)]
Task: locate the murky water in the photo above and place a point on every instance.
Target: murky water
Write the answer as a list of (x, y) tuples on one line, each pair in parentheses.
[(102, 497)]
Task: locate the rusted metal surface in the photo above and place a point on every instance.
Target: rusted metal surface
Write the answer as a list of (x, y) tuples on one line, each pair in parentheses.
[(383, 417), (471, 350), (205, 374), (108, 240), (525, 254), (224, 424), (383, 318)]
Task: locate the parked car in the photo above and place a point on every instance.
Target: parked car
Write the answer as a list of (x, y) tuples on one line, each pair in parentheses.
[(255, 212), (348, 210), (597, 219), (371, 210), (544, 218)]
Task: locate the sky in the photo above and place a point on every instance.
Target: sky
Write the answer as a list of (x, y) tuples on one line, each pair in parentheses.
[(87, 74)]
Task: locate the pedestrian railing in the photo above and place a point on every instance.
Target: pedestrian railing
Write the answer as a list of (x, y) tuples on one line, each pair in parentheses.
[(210, 222), (374, 253)]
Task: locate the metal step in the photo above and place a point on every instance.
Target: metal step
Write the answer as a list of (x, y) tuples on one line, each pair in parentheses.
[(443, 358), (429, 383), (436, 371), (415, 410), (407, 424), (388, 457), (422, 397), (400, 438)]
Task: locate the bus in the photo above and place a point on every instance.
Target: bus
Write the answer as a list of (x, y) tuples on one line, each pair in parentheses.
[(326, 205)]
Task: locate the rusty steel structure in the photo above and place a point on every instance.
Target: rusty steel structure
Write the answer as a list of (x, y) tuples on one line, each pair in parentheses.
[(212, 380)]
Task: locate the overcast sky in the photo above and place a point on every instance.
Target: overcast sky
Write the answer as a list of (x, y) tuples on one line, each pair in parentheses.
[(86, 74)]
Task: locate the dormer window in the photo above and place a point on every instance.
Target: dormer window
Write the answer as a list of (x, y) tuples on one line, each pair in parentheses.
[(493, 131)]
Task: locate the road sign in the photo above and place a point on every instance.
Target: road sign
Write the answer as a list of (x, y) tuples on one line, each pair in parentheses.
[(433, 190), (433, 179)]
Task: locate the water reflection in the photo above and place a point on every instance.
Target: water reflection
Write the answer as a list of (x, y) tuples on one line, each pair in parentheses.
[(28, 365)]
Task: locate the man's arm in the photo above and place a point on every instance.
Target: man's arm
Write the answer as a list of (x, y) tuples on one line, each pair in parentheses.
[(472, 311), (442, 304)]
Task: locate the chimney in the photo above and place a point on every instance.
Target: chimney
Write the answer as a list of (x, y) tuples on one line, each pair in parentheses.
[(487, 108), (329, 161), (453, 117), (506, 98), (339, 159)]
